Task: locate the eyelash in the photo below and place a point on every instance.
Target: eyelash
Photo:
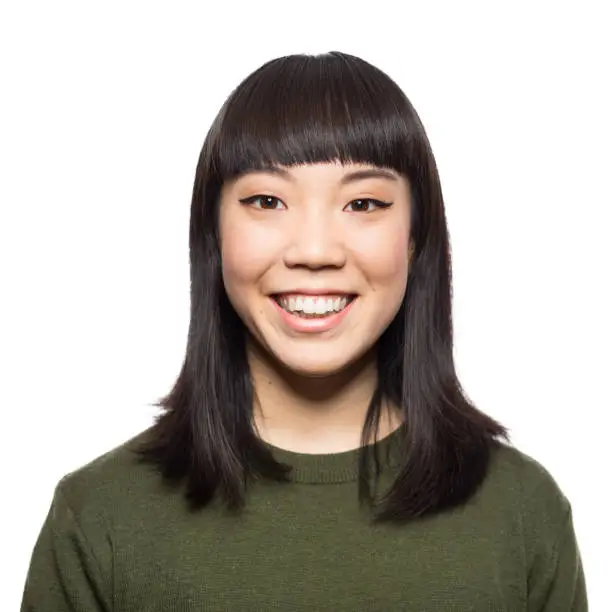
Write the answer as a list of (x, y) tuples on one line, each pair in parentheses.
[(253, 199)]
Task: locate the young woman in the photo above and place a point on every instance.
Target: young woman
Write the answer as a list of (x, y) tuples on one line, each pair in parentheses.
[(317, 451)]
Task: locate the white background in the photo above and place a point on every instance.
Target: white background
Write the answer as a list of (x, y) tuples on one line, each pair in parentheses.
[(104, 108)]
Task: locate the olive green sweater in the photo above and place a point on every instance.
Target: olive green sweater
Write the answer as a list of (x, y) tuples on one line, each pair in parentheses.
[(115, 539)]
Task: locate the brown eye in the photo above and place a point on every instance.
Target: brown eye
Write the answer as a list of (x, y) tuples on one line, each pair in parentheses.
[(366, 205), (263, 202)]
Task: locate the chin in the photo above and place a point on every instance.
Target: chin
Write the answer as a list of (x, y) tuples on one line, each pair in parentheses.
[(316, 369), (322, 359), (318, 365)]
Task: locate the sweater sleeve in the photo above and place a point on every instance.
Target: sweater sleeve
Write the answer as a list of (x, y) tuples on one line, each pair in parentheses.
[(65, 571), (556, 580)]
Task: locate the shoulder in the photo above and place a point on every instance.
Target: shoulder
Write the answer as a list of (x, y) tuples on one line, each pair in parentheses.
[(511, 467), (542, 514), (78, 539), (529, 489), (100, 488)]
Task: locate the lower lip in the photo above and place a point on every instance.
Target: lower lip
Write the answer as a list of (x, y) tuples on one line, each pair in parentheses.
[(312, 325)]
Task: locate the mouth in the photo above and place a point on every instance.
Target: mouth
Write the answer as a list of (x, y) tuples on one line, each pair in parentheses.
[(313, 306)]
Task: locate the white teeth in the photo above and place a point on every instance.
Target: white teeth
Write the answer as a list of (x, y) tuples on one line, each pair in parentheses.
[(309, 306), (313, 305)]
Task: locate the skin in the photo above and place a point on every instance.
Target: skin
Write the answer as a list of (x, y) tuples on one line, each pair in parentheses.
[(312, 390)]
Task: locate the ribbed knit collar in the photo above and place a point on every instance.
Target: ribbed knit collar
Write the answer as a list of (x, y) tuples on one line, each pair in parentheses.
[(336, 467)]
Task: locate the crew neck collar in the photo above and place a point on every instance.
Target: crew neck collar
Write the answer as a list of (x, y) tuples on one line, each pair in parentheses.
[(336, 467)]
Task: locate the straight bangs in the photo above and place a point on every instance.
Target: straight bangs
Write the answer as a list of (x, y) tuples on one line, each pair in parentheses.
[(304, 109)]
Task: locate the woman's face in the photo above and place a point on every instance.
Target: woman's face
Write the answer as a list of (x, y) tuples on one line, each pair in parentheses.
[(315, 259)]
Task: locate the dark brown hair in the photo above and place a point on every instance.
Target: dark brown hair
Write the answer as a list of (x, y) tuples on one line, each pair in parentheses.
[(307, 109)]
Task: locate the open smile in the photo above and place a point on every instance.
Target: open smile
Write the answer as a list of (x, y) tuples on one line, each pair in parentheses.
[(313, 313)]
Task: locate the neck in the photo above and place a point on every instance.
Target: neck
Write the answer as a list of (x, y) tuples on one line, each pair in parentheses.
[(314, 415)]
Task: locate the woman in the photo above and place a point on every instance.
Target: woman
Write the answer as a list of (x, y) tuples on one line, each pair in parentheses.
[(317, 451)]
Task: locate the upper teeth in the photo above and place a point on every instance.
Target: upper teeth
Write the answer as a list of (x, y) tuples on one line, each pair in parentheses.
[(313, 304)]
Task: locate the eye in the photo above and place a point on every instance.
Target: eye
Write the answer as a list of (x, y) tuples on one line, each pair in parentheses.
[(366, 205), (263, 202)]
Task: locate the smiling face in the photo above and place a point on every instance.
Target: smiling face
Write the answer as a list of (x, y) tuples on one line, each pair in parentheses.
[(315, 260)]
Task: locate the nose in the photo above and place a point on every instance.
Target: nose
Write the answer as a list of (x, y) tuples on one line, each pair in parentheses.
[(315, 242)]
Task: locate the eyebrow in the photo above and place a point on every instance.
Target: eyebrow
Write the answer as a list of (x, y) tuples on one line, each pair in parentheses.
[(360, 175), (351, 177)]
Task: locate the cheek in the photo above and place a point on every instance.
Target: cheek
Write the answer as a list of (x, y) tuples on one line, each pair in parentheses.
[(385, 259), (238, 271), (246, 254)]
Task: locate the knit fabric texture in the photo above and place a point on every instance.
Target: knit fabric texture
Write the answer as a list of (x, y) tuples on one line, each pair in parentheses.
[(116, 539)]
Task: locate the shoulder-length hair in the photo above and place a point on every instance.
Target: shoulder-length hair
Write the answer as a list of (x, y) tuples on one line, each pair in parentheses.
[(308, 109)]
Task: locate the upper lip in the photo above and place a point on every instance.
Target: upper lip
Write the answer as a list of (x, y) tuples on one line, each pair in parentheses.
[(304, 291)]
